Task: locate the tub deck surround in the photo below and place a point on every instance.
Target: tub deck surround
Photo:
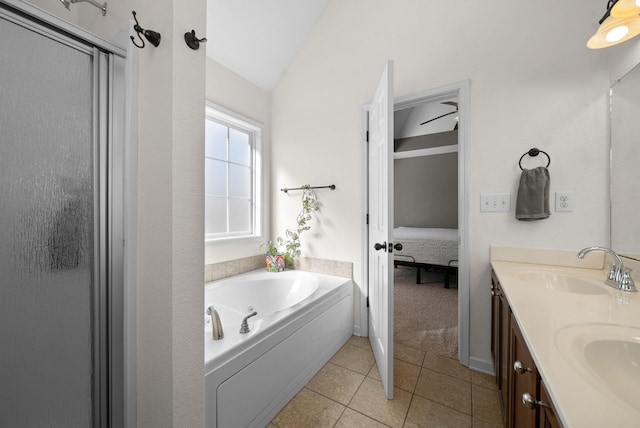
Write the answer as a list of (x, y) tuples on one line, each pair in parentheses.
[(221, 270), (546, 316), (303, 319)]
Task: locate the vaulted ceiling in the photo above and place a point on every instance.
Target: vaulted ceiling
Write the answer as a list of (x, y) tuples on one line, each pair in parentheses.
[(258, 39)]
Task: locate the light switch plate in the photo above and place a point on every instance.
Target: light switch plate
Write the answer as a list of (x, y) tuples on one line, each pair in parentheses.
[(564, 201), (495, 202)]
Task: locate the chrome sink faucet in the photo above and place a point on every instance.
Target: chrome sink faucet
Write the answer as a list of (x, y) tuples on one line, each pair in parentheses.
[(216, 324), (618, 276)]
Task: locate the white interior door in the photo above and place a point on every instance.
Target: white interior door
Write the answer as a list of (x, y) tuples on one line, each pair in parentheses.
[(381, 227)]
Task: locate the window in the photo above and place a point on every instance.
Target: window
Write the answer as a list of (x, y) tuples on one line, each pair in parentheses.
[(232, 175)]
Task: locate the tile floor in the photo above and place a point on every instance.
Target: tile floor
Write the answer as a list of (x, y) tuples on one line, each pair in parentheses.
[(429, 391)]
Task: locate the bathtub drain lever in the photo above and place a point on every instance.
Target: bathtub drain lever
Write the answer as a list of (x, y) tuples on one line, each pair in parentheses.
[(244, 328)]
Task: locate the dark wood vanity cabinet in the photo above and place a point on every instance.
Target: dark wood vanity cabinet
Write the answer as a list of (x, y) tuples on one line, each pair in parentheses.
[(523, 381), (523, 396), (500, 332), (548, 417)]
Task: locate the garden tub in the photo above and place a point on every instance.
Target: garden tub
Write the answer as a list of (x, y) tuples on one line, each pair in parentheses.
[(303, 319)]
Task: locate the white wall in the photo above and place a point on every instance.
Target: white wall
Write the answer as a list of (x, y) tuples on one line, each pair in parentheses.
[(623, 57), (170, 348), (528, 89), (229, 90)]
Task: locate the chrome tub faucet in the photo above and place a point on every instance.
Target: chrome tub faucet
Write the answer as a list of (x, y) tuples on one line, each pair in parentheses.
[(618, 277), (216, 324)]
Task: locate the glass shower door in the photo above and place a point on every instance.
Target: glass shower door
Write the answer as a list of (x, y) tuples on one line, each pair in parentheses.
[(51, 298)]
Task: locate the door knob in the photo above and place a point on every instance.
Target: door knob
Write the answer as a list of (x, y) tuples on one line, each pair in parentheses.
[(397, 247), (379, 247)]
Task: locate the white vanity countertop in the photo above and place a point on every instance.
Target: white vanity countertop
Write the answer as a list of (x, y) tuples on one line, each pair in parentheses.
[(548, 317)]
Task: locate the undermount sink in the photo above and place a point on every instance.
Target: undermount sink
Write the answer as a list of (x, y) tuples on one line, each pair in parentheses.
[(607, 354), (560, 282)]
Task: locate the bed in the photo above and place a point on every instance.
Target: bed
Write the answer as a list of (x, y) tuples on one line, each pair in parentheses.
[(427, 248)]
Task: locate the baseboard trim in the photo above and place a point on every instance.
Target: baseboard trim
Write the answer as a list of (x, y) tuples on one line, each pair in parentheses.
[(483, 366)]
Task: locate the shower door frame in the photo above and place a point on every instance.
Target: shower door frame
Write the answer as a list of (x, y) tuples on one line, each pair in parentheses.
[(114, 394)]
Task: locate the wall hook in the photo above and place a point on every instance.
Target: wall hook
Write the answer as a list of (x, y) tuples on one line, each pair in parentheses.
[(152, 37), (192, 41)]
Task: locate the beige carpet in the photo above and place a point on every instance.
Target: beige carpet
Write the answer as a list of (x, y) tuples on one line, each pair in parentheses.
[(426, 315)]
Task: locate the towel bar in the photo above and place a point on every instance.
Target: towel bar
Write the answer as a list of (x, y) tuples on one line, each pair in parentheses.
[(332, 187)]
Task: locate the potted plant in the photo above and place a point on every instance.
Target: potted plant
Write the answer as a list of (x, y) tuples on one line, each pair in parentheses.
[(274, 259), (290, 244)]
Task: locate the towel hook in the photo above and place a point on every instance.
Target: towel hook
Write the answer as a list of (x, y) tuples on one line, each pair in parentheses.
[(192, 41), (533, 153), (152, 37)]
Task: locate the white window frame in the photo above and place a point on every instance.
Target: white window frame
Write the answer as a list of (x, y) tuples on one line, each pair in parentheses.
[(255, 130)]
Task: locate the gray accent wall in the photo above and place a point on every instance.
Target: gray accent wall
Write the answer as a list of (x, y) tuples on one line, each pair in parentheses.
[(426, 187)]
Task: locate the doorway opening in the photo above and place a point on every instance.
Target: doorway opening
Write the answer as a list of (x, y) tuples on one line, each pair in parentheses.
[(452, 103), (426, 223)]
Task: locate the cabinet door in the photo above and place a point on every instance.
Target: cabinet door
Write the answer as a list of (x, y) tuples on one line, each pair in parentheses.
[(495, 325), (524, 380), (547, 417), (506, 369), (500, 333)]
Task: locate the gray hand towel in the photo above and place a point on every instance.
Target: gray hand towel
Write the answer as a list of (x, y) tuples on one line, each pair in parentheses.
[(533, 194)]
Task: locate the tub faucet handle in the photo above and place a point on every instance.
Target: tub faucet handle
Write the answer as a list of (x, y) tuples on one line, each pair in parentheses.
[(244, 328), (216, 324)]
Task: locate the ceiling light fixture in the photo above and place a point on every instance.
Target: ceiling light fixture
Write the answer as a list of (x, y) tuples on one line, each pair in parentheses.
[(621, 22), (625, 8)]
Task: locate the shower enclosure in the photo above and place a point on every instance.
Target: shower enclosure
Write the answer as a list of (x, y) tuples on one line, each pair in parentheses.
[(61, 223)]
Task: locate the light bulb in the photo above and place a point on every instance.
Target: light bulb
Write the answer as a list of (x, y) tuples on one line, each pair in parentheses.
[(617, 33)]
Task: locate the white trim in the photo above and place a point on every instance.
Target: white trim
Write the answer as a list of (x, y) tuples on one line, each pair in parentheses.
[(461, 90), (256, 130), (464, 293), (130, 232), (65, 27), (483, 366), (363, 328), (426, 152)]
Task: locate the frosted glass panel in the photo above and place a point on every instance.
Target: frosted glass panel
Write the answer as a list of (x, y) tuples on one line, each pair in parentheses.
[(215, 178), (239, 147), (239, 181), (46, 232), (216, 140)]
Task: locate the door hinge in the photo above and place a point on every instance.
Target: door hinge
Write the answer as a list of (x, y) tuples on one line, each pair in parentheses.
[(367, 218), (367, 301), (367, 136)]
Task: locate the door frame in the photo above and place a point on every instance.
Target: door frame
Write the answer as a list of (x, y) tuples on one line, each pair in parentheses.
[(461, 90)]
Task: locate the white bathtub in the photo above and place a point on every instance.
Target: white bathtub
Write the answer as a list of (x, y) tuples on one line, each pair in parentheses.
[(303, 319)]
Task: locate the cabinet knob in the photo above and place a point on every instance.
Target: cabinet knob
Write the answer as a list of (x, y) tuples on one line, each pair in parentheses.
[(530, 401), (520, 368)]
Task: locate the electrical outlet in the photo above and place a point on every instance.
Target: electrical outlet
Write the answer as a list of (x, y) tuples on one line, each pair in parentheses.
[(564, 201), (495, 202)]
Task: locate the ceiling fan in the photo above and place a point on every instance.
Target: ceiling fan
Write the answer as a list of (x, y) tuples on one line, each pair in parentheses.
[(451, 103)]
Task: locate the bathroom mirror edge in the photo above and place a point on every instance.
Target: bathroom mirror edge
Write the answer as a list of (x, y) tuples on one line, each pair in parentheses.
[(624, 108)]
